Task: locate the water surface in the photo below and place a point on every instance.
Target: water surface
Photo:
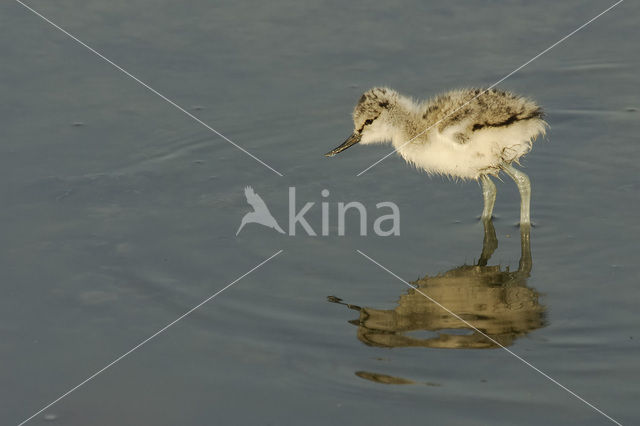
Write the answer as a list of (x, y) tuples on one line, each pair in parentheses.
[(119, 214)]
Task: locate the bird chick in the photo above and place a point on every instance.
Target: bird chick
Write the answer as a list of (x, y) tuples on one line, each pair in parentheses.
[(468, 134)]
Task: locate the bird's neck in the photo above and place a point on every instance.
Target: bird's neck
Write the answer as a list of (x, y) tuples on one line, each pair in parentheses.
[(406, 122)]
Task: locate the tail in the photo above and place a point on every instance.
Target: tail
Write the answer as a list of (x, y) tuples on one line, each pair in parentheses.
[(277, 227)]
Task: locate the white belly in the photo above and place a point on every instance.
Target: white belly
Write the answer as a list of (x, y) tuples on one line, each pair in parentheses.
[(483, 153)]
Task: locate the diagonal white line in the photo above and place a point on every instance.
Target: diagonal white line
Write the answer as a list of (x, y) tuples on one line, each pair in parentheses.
[(151, 89), (493, 85), (524, 361), (163, 329)]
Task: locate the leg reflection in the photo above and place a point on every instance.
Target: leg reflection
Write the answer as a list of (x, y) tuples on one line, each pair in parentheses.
[(526, 262), (489, 243)]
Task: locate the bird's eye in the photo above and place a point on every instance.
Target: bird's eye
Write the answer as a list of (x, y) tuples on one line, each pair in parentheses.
[(366, 122)]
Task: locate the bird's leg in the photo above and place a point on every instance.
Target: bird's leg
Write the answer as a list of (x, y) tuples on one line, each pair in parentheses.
[(489, 243), (489, 194), (524, 186)]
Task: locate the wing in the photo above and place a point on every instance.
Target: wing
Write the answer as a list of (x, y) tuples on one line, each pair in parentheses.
[(493, 108), (497, 108), (254, 199)]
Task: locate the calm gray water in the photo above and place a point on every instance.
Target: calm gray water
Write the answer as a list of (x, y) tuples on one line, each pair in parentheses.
[(119, 214)]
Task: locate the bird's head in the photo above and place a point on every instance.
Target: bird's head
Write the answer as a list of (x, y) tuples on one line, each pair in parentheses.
[(371, 119)]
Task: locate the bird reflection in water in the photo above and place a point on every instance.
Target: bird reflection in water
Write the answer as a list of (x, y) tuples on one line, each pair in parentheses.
[(495, 301)]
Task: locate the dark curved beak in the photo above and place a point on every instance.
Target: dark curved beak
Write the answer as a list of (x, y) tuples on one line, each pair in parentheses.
[(351, 140)]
